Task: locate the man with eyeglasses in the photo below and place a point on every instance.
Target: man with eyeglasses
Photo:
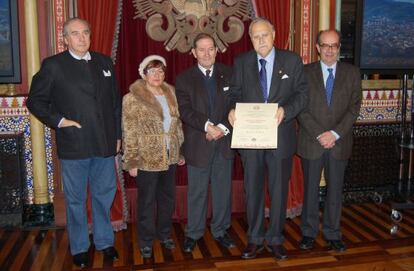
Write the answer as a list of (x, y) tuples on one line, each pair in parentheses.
[(325, 138)]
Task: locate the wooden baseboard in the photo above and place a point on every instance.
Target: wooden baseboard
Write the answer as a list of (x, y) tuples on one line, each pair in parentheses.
[(60, 209)]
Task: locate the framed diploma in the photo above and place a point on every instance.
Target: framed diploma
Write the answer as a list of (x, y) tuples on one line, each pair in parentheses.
[(255, 126)]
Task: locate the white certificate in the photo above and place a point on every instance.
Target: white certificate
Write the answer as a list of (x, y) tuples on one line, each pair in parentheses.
[(255, 126)]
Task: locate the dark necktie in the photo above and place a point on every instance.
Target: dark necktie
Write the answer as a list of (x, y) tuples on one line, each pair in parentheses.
[(263, 78), (86, 69), (210, 92), (329, 86)]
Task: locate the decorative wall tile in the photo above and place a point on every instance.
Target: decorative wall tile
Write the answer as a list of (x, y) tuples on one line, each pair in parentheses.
[(382, 106), (14, 117)]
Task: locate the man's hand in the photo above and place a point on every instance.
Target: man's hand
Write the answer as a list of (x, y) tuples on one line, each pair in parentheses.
[(232, 117), (214, 131), (68, 123), (327, 140), (133, 172), (280, 115)]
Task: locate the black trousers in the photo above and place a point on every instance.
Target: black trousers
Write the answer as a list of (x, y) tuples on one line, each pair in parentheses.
[(255, 164), (334, 176), (218, 174), (156, 200)]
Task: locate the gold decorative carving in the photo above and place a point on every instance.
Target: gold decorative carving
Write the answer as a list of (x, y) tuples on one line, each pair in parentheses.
[(7, 89), (177, 22)]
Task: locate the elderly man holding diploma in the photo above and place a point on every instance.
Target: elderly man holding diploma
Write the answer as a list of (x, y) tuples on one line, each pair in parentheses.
[(268, 75)]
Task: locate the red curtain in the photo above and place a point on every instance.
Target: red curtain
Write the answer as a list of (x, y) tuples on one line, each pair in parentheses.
[(278, 12), (101, 15)]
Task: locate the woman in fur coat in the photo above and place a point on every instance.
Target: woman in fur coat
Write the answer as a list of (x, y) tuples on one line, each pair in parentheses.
[(153, 136)]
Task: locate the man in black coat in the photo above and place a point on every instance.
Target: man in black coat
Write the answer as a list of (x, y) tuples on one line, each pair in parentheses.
[(325, 137), (268, 75), (75, 93), (203, 110)]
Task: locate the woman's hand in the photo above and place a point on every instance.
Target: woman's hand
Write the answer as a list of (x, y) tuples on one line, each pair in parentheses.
[(133, 172), (181, 161)]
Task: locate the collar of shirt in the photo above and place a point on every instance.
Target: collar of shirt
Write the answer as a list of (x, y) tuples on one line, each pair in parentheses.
[(325, 72), (270, 61), (86, 57), (270, 58), (203, 70)]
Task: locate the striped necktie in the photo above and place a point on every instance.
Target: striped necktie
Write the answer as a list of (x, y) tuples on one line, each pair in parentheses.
[(263, 78)]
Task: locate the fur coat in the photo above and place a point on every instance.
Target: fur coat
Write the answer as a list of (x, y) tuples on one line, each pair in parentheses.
[(144, 142)]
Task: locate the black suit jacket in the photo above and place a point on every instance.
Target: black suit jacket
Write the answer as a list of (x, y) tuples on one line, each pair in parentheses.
[(339, 116), (288, 88), (62, 89), (193, 102)]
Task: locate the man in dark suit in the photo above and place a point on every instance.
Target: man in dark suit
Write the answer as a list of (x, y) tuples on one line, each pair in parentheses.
[(325, 137), (75, 92), (268, 75), (203, 110)]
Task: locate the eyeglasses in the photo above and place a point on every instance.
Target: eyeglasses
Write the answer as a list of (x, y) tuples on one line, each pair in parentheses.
[(333, 46), (155, 71)]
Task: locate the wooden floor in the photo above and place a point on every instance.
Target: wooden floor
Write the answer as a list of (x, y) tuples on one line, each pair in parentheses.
[(366, 230)]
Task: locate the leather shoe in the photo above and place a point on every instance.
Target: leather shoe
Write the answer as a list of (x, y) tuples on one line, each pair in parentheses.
[(336, 245), (189, 244), (110, 253), (306, 243), (279, 252), (81, 259), (251, 251), (146, 252), (225, 240), (168, 243)]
